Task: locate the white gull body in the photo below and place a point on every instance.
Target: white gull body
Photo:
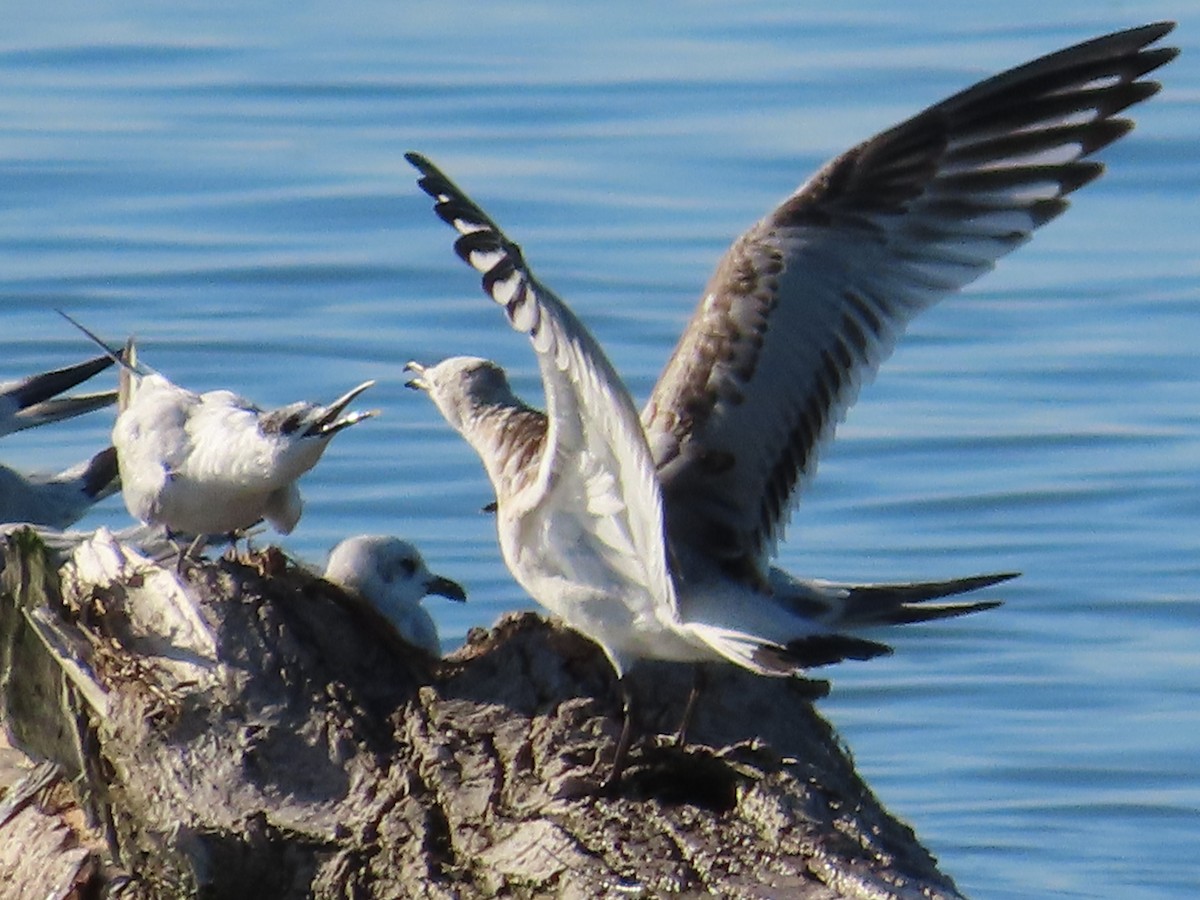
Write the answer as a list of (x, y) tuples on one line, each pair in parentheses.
[(215, 463), (390, 573), (654, 536)]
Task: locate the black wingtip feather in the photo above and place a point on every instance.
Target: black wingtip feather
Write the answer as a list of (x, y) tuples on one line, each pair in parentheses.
[(420, 163), (39, 388), (100, 472), (503, 269), (911, 615), (827, 649), (920, 592), (475, 242)]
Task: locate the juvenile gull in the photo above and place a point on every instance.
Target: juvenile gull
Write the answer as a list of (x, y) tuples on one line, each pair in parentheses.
[(58, 501), (214, 463), (392, 576), (654, 537), (34, 400)]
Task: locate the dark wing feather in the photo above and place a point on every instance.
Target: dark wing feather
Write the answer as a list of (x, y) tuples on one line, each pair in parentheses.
[(805, 306), (33, 401)]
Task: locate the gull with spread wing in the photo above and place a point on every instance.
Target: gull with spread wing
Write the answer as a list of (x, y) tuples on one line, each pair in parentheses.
[(654, 535)]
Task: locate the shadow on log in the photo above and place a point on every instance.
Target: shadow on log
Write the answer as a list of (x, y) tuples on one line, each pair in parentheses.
[(249, 730)]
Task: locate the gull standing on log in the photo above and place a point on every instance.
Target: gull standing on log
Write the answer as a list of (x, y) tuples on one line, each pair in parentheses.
[(655, 537), (390, 573), (214, 463)]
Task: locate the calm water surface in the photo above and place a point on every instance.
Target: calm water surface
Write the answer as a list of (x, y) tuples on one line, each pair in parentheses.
[(226, 181)]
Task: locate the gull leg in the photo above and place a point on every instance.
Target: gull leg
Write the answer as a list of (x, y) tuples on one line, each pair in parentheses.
[(233, 537), (196, 545), (699, 683), (192, 551), (246, 534), (623, 742)]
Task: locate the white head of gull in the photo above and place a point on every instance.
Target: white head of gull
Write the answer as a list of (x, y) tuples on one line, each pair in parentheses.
[(391, 574), (654, 535), (215, 463)]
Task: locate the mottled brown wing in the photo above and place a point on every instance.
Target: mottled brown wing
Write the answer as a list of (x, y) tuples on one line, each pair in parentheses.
[(805, 306)]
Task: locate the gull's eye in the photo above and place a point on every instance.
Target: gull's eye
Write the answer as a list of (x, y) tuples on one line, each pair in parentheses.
[(281, 421), (396, 567)]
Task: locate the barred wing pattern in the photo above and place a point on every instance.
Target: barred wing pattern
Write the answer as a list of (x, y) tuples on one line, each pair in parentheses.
[(595, 447)]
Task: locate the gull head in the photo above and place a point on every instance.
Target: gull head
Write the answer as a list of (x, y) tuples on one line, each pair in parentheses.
[(390, 574), (303, 419), (387, 571), (462, 386), (290, 440)]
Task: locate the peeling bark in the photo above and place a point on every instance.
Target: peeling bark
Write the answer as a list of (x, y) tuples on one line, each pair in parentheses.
[(248, 729)]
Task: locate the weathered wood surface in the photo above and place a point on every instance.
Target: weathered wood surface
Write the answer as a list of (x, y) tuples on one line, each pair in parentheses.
[(253, 732)]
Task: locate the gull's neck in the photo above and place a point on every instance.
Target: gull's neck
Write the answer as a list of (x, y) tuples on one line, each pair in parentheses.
[(510, 439)]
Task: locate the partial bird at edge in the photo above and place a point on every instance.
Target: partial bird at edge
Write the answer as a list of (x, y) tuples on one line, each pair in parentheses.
[(33, 401)]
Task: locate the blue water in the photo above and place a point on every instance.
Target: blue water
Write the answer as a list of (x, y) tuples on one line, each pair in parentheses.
[(225, 180)]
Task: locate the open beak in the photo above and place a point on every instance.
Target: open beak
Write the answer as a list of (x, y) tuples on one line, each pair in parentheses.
[(417, 382), (335, 408), (331, 421), (444, 587)]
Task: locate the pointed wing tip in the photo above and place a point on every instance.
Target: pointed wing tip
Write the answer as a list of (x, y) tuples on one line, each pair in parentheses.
[(1137, 41), (908, 615), (997, 578), (43, 388), (432, 181), (936, 590), (102, 472), (422, 165), (1135, 38), (1158, 30)]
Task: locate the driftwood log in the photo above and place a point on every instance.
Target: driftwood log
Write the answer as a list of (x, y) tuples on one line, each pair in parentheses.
[(247, 730)]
